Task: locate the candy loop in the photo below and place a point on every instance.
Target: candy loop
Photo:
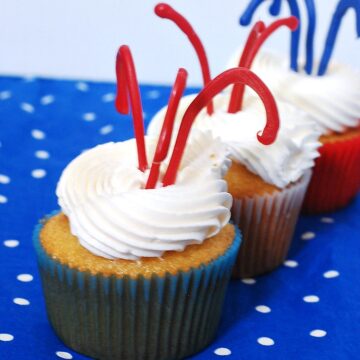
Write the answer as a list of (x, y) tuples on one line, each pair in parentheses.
[(165, 11), (214, 87), (341, 10), (255, 41), (127, 86), (164, 140)]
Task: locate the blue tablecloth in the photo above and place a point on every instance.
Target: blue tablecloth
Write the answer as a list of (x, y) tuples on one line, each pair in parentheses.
[(307, 309)]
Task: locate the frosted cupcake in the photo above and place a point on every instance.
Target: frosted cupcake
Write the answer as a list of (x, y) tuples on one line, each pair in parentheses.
[(267, 179), (329, 92), (133, 268), (267, 182)]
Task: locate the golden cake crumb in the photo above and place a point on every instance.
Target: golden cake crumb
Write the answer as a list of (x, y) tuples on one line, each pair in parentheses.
[(64, 247), (243, 183), (334, 137)]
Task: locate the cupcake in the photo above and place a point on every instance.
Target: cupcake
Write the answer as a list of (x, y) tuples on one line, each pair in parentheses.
[(267, 182), (132, 270), (268, 179), (329, 93)]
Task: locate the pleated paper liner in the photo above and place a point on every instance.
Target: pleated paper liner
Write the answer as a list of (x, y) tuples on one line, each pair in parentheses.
[(160, 318), (267, 225), (336, 178)]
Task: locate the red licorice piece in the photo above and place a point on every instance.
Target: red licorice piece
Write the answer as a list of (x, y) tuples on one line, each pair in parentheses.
[(238, 89), (164, 140), (165, 11), (250, 51), (214, 87), (127, 86), (290, 22), (257, 29)]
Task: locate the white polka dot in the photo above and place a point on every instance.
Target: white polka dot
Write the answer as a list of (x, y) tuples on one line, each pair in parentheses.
[(291, 263), (47, 99), (11, 243), (25, 277), (144, 115), (318, 333), (263, 309), (90, 116), (311, 299), (222, 352), (64, 355), (108, 97), (3, 199), (38, 173), (38, 134), (248, 281), (6, 337), (331, 274), (42, 154), (27, 107), (265, 341), (153, 94), (21, 301), (4, 179), (307, 235), (327, 220), (82, 86), (4, 95), (107, 129)]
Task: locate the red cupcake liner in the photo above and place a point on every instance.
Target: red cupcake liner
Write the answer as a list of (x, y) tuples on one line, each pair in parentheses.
[(336, 177)]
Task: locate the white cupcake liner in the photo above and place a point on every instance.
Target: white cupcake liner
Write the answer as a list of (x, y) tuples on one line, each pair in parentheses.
[(267, 224)]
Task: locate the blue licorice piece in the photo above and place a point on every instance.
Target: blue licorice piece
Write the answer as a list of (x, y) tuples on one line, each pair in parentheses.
[(275, 8), (249, 12), (311, 12), (342, 8)]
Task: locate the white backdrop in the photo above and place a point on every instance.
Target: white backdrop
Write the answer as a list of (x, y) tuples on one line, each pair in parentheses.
[(79, 38)]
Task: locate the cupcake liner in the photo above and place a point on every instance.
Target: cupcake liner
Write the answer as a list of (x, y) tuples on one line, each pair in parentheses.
[(160, 318), (336, 178), (267, 224)]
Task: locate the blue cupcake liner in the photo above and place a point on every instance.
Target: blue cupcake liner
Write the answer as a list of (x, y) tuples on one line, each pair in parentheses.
[(161, 317)]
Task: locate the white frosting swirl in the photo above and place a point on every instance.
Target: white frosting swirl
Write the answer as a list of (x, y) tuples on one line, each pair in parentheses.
[(102, 193), (280, 163), (332, 100)]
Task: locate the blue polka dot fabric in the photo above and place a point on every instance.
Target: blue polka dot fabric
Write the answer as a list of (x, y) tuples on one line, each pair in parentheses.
[(307, 309)]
